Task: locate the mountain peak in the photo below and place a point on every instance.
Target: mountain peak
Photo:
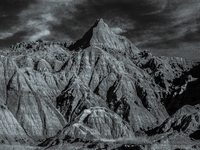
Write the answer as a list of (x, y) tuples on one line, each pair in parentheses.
[(102, 36), (100, 23)]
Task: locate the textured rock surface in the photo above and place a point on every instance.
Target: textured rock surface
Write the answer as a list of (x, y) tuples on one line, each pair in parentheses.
[(51, 90), (10, 130), (29, 96), (186, 119)]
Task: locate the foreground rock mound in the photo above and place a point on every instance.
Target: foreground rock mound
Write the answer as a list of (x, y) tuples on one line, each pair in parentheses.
[(96, 123)]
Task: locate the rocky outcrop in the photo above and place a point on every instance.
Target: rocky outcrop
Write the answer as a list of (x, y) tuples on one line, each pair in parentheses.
[(186, 119), (43, 66), (186, 91)]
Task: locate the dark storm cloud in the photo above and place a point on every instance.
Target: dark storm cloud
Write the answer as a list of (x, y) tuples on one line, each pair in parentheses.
[(68, 20), (10, 32), (121, 15), (150, 24), (145, 22), (9, 10), (16, 37), (33, 17)]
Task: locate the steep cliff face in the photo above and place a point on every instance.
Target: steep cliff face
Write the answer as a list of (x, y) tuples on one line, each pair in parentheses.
[(101, 87)]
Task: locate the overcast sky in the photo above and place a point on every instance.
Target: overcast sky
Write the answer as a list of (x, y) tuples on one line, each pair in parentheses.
[(164, 27)]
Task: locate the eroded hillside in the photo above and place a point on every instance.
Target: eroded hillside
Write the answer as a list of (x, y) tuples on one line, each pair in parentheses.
[(100, 87)]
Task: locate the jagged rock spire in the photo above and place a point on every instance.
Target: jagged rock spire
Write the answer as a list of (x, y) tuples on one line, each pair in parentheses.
[(102, 36)]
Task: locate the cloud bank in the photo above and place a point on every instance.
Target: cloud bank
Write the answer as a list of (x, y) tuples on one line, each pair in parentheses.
[(165, 27)]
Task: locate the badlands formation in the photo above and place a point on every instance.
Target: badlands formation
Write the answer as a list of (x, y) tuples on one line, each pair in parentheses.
[(100, 92)]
